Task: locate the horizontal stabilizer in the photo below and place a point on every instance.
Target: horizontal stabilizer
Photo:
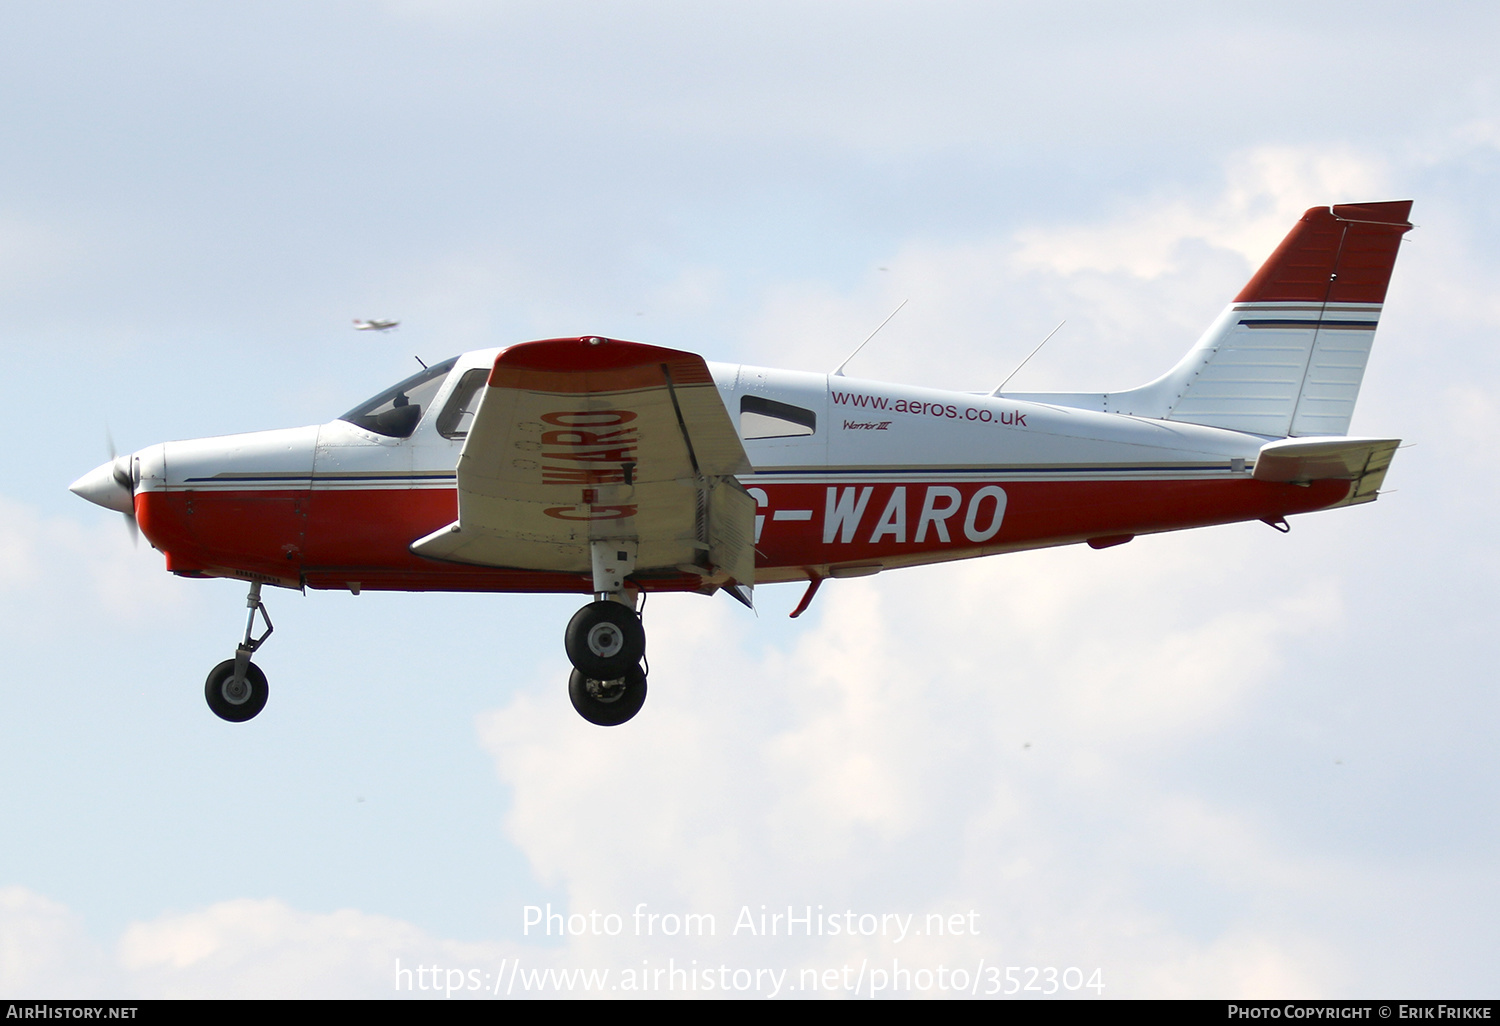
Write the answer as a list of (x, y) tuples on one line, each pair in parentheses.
[(1363, 461)]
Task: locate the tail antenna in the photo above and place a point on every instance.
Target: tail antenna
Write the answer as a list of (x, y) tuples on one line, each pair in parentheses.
[(1029, 355), (838, 371)]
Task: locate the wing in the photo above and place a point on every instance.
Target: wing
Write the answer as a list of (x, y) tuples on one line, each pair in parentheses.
[(587, 439)]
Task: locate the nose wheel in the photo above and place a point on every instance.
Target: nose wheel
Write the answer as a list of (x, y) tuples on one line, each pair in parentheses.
[(236, 689), (236, 700)]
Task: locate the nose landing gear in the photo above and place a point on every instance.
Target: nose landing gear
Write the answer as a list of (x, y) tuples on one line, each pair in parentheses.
[(236, 689), (605, 642)]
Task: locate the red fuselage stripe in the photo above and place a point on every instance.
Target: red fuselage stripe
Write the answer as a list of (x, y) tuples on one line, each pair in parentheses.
[(329, 538)]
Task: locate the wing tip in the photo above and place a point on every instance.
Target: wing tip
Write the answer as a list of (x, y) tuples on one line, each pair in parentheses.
[(538, 365)]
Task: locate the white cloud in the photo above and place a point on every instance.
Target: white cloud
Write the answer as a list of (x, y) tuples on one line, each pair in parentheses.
[(1268, 189), (242, 948), (45, 951), (962, 737), (1136, 290), (1245, 966), (30, 253), (43, 559), (265, 949)]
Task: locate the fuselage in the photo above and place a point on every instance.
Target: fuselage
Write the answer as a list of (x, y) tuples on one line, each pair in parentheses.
[(850, 477)]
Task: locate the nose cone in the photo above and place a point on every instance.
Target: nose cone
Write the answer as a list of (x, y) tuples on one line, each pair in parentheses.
[(108, 485)]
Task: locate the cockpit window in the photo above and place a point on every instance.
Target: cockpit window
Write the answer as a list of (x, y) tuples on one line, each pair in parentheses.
[(458, 412), (397, 411), (766, 418)]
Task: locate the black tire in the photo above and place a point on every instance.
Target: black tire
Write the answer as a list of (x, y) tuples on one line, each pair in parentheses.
[(604, 640), (608, 703), (226, 707)]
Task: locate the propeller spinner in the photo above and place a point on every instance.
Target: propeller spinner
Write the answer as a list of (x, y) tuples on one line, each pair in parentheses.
[(111, 485)]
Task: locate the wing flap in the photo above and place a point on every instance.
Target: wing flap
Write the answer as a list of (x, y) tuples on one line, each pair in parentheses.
[(732, 528)]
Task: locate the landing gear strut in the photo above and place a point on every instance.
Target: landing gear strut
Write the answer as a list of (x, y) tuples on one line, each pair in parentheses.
[(236, 689), (605, 642)]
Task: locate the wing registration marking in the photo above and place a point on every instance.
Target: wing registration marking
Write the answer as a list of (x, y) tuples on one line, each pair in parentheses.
[(580, 440)]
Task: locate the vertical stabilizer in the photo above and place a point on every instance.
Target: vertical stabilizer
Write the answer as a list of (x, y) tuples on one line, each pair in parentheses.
[(1287, 356)]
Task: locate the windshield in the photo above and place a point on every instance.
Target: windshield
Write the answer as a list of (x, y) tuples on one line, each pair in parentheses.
[(397, 411)]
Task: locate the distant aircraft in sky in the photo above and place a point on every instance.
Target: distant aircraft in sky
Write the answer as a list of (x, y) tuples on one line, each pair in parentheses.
[(614, 469), (377, 324)]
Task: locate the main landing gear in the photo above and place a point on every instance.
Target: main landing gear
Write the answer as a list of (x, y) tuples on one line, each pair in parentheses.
[(236, 689), (605, 642)]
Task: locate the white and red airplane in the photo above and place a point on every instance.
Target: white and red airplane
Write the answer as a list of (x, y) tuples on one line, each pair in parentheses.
[(614, 468)]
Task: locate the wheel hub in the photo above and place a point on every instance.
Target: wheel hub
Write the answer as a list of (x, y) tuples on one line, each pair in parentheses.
[(605, 640), (606, 690), (236, 692)]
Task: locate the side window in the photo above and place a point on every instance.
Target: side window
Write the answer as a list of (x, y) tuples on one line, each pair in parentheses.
[(458, 414), (766, 418)]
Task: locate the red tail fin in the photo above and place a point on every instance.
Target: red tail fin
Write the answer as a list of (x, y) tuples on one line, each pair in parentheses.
[(1341, 254)]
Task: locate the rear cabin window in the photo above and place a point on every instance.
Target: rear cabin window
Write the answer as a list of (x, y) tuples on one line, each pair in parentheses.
[(766, 418)]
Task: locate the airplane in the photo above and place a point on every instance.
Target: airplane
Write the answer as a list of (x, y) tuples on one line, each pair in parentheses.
[(615, 469), (374, 324)]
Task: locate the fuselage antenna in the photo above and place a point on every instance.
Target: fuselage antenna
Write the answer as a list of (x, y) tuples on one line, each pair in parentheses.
[(839, 370), (1029, 355), (419, 360)]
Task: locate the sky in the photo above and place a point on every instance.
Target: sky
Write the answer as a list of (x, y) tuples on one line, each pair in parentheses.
[(1223, 763)]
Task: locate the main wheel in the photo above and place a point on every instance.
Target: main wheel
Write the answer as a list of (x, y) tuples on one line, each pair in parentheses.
[(604, 640), (608, 703), (236, 704)]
